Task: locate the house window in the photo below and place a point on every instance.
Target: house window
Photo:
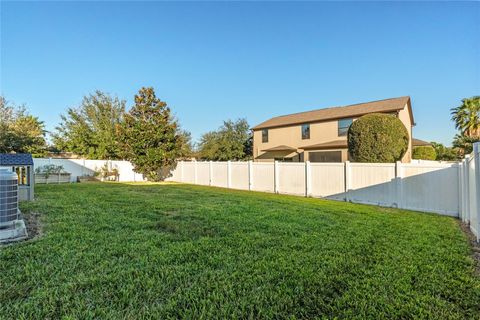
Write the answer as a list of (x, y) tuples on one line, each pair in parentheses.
[(343, 126), (265, 135), (305, 131)]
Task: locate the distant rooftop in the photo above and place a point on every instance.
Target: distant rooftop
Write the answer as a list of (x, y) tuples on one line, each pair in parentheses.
[(16, 159), (386, 105)]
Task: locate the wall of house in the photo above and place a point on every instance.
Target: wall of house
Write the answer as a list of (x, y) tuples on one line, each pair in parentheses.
[(291, 136), (404, 116)]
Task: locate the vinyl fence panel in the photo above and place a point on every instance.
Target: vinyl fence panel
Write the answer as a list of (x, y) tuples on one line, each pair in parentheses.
[(203, 173), (263, 177), (327, 180), (219, 174), (189, 172), (291, 178), (239, 175), (472, 199), (431, 188), (373, 183)]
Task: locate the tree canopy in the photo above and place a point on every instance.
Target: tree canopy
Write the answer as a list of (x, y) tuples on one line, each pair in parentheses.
[(150, 137), (464, 144), (377, 137), (90, 130), (444, 153), (467, 121), (467, 117), (232, 141), (20, 132)]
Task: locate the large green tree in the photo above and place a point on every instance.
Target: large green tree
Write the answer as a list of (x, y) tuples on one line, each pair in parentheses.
[(467, 117), (232, 141), (150, 137), (20, 132), (90, 130)]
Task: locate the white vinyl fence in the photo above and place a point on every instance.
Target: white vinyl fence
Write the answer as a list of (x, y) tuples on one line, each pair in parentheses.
[(430, 187), (469, 176), (83, 167)]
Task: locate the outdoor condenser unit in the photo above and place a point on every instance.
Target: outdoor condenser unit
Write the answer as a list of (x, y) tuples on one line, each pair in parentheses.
[(12, 226)]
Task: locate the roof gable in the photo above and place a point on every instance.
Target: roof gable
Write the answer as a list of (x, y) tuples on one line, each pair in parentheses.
[(387, 105)]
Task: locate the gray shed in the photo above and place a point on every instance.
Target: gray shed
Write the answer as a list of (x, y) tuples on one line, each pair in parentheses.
[(22, 164)]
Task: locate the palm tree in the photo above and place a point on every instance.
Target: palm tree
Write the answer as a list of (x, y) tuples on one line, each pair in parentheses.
[(464, 144), (467, 117)]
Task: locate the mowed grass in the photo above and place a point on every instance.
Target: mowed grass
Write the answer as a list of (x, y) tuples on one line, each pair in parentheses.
[(120, 251)]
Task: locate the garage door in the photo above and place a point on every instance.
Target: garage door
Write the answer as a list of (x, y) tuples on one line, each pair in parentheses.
[(325, 156)]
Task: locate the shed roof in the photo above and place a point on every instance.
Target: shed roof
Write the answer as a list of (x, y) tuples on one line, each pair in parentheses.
[(354, 110), (16, 159)]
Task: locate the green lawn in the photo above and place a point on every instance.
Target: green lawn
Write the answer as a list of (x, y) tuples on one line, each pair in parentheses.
[(181, 251)]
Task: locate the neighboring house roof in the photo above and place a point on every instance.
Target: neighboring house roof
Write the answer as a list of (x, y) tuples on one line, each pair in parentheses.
[(16, 159), (280, 148), (327, 145), (387, 105), (420, 143)]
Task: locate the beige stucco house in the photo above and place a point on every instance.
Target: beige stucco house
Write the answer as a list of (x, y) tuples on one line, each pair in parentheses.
[(321, 135)]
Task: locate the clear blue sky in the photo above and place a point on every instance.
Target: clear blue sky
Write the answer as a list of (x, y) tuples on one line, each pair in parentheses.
[(219, 60)]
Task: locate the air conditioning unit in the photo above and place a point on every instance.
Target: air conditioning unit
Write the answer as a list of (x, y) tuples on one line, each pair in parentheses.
[(12, 226)]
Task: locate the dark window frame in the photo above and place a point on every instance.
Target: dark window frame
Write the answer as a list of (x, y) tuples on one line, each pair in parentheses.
[(342, 129), (264, 135), (305, 130)]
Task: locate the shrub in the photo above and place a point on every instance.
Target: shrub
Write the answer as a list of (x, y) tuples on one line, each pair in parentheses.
[(377, 137), (424, 153)]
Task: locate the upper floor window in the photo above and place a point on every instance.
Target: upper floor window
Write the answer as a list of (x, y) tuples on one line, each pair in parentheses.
[(264, 135), (305, 131), (343, 125)]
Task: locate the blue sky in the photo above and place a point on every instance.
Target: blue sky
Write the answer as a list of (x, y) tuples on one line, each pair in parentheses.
[(212, 61)]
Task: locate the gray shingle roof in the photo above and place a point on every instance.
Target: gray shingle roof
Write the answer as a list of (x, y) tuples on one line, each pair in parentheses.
[(16, 159)]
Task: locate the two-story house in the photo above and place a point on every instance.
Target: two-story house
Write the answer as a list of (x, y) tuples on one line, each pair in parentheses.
[(321, 135)]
